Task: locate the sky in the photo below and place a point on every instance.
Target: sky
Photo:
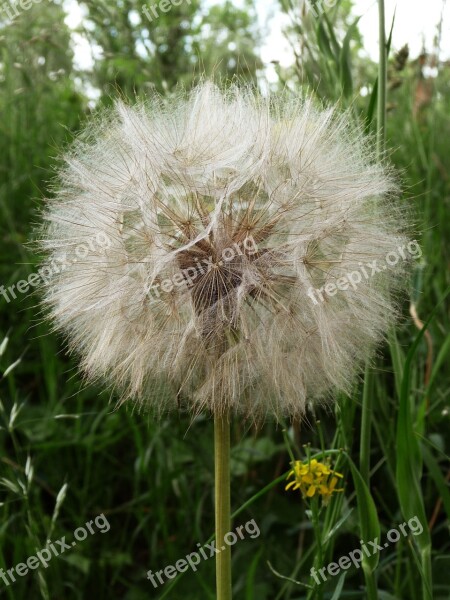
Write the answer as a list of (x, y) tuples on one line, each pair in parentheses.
[(415, 23)]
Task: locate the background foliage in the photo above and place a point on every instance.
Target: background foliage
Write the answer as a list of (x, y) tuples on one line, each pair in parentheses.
[(153, 481)]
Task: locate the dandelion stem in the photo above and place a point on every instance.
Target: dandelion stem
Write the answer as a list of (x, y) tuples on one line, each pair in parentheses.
[(222, 505)]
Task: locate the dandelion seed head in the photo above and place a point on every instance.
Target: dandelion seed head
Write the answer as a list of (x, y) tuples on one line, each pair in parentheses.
[(221, 210)]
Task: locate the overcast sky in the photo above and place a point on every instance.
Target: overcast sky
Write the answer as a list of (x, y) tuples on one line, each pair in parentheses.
[(416, 21)]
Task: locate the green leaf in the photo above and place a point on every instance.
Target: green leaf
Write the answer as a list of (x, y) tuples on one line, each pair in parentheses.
[(369, 525), (345, 63), (438, 478), (323, 40), (372, 105), (251, 575), (440, 360), (409, 462), (409, 458), (334, 43), (337, 526), (340, 585)]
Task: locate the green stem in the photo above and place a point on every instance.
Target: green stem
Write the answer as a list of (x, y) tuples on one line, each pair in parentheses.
[(382, 82), (366, 424), (371, 584), (222, 505), (367, 401), (427, 578), (316, 591)]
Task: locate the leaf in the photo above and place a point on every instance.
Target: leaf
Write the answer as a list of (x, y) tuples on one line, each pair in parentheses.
[(337, 526), (323, 40), (409, 461), (440, 360), (372, 105), (251, 575), (334, 43), (409, 458), (438, 478), (345, 63), (369, 524), (340, 585)]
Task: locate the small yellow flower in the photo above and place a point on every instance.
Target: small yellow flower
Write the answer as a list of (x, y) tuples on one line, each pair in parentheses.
[(314, 477)]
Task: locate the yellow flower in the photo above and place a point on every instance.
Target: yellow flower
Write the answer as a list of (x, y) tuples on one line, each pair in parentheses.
[(314, 477)]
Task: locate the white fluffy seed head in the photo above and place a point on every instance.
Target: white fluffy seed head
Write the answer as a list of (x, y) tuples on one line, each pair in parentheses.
[(186, 239)]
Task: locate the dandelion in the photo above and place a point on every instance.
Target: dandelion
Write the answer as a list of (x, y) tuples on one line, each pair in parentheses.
[(290, 190), (314, 478), (221, 211)]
